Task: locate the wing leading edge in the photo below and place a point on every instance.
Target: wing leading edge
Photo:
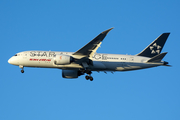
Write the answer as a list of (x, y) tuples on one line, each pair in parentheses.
[(89, 49)]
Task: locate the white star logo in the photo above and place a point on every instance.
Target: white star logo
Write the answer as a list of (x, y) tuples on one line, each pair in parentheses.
[(155, 48)]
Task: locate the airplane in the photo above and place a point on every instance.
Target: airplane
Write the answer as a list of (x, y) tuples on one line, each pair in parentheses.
[(86, 60)]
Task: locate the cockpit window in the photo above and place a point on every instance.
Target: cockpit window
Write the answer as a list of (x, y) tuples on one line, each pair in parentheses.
[(15, 55)]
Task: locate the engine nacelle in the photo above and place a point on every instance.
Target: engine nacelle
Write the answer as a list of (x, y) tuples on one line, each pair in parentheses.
[(63, 60), (71, 73)]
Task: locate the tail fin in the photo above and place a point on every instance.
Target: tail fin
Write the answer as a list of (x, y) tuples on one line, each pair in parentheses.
[(155, 47)]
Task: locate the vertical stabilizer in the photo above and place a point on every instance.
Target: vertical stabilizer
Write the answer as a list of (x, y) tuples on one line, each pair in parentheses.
[(155, 47)]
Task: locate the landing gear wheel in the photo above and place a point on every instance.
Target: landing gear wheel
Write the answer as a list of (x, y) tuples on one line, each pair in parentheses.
[(87, 77), (22, 71), (91, 78)]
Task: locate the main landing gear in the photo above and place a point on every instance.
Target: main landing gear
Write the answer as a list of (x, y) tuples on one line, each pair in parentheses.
[(88, 77)]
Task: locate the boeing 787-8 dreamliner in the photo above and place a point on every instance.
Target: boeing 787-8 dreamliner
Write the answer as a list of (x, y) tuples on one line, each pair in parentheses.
[(86, 60)]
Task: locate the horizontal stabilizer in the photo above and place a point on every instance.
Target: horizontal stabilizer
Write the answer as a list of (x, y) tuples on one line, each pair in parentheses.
[(168, 65), (157, 58)]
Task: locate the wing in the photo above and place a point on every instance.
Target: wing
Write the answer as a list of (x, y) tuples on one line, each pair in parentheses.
[(89, 49)]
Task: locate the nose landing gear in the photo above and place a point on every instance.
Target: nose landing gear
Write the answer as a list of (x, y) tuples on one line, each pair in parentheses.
[(22, 67), (22, 71)]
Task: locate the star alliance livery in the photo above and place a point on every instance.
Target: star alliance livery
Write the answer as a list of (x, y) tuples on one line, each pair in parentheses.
[(86, 60)]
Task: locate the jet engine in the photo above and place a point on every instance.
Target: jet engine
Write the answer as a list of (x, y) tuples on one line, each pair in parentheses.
[(63, 60), (71, 73)]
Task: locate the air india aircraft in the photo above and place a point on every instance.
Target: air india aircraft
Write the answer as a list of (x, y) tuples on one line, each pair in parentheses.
[(86, 60)]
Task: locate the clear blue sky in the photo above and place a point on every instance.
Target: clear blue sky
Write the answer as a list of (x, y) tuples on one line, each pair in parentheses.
[(42, 94)]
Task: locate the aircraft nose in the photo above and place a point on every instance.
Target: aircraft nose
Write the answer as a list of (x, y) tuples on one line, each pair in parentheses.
[(10, 61)]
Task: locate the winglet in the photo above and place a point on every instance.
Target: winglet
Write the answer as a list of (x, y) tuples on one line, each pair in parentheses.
[(106, 31)]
